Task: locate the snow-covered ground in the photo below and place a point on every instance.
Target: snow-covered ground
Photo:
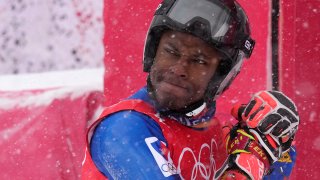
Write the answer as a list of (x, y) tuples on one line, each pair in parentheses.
[(54, 85), (91, 78)]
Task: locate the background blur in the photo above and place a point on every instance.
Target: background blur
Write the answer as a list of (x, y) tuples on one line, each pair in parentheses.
[(60, 61), (51, 82), (41, 36)]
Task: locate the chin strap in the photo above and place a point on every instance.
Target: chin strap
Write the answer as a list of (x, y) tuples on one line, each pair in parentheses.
[(192, 115), (197, 111)]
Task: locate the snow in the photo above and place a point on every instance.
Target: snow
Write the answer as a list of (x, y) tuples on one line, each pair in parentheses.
[(68, 78), (39, 36), (55, 85)]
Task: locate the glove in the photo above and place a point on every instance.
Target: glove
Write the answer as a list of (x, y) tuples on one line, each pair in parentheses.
[(247, 159), (272, 118)]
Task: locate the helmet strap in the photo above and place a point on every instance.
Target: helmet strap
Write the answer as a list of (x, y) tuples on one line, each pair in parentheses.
[(192, 115)]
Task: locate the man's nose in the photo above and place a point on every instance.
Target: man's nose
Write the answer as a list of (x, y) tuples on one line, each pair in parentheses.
[(180, 67)]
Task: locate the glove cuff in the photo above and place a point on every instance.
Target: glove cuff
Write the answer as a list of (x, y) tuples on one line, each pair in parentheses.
[(245, 162), (247, 166), (242, 141)]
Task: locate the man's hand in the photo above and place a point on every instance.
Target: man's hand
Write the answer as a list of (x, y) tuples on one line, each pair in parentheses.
[(272, 117), (247, 159)]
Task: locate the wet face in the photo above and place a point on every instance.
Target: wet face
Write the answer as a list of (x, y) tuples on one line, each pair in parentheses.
[(183, 67)]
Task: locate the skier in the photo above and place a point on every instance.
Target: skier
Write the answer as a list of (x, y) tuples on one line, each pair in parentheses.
[(168, 129)]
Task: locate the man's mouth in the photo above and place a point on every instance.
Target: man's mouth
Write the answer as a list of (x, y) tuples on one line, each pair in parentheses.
[(177, 84), (174, 88), (172, 85)]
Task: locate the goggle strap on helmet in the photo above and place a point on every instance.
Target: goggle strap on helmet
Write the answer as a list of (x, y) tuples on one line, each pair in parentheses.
[(247, 46)]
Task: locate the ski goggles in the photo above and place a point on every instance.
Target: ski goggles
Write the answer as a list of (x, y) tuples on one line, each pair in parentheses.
[(217, 19)]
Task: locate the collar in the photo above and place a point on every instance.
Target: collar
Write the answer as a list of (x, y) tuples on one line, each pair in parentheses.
[(194, 114), (200, 114)]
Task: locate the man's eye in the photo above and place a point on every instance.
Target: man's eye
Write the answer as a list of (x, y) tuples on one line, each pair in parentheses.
[(171, 51), (199, 61)]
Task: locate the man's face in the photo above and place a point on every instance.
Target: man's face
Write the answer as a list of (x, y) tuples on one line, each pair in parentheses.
[(183, 67)]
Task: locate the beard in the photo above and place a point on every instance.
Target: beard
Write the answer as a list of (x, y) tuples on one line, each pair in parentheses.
[(171, 92)]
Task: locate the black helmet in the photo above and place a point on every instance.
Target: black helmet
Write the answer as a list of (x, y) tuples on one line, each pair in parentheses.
[(221, 23)]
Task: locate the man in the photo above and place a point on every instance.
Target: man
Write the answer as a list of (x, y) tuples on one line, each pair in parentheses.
[(167, 130)]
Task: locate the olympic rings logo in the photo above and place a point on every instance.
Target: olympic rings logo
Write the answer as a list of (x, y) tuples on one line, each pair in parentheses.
[(169, 167)]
